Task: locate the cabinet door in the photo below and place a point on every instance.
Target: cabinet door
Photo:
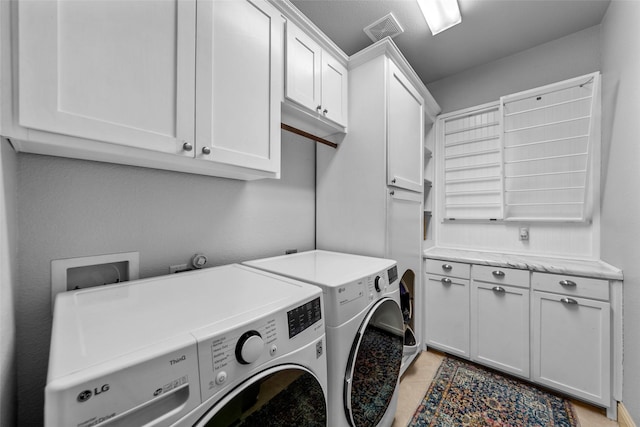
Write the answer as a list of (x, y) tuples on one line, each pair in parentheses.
[(405, 122), (114, 71), (304, 65), (334, 90), (239, 83), (571, 345), (500, 327), (447, 314)]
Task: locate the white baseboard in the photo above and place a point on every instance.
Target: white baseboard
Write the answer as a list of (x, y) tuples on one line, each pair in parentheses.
[(624, 418)]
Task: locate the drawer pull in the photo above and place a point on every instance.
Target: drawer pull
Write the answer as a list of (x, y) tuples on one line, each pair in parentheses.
[(447, 267), (499, 289), (445, 281), (498, 273), (568, 283), (569, 301)]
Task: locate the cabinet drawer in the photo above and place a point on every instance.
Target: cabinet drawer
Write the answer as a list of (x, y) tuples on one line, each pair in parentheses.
[(511, 276), (571, 285), (448, 268)]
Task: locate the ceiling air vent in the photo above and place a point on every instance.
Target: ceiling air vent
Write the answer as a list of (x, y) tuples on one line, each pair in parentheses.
[(387, 26)]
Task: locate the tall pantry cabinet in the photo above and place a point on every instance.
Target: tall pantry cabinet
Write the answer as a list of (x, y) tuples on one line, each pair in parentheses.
[(369, 189)]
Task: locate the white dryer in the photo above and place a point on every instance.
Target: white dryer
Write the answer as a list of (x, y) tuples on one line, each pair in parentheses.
[(225, 346), (364, 327)]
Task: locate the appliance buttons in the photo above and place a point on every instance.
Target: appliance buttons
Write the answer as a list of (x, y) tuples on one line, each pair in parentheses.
[(221, 378)]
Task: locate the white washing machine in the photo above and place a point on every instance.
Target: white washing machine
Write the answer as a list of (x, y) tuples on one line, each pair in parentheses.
[(225, 346), (364, 327)]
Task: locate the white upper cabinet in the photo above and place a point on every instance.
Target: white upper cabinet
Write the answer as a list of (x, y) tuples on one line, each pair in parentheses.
[(193, 86), (315, 79), (405, 118), (238, 83), (114, 71)]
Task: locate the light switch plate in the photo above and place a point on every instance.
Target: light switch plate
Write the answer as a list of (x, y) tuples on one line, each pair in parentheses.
[(86, 272)]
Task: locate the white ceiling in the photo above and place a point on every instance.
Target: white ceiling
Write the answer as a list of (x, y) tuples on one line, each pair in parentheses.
[(490, 29)]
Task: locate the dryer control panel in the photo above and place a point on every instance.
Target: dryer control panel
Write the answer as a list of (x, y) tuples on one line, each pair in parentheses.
[(345, 301)]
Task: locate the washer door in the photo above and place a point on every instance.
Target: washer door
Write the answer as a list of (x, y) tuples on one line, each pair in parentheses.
[(287, 395), (374, 364)]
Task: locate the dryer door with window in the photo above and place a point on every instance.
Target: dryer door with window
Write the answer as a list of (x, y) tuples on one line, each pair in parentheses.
[(373, 369), (286, 395)]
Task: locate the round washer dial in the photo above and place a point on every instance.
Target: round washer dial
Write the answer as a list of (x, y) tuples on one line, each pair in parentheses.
[(249, 347)]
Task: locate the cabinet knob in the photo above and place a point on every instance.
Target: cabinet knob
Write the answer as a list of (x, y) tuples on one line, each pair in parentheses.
[(498, 273), (187, 147), (206, 150), (569, 301), (498, 289), (318, 108), (445, 281), (568, 283), (393, 181), (392, 192), (447, 267), (325, 111)]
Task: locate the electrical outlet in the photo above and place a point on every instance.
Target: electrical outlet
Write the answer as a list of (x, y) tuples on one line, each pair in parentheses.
[(524, 233), (177, 268)]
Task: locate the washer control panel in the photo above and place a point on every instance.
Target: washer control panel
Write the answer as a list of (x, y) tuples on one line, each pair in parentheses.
[(302, 317), (232, 356)]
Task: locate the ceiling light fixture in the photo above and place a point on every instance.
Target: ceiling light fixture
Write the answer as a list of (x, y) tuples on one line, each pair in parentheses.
[(440, 14)]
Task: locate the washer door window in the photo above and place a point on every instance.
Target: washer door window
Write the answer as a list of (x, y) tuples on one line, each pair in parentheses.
[(287, 395), (374, 364)]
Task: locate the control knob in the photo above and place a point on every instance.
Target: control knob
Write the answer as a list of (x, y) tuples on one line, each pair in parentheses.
[(249, 347), (378, 283)]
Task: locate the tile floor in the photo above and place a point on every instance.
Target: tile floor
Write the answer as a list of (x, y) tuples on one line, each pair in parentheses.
[(415, 382)]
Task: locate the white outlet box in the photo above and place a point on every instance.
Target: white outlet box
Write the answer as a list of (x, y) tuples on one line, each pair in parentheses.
[(86, 272), (524, 233)]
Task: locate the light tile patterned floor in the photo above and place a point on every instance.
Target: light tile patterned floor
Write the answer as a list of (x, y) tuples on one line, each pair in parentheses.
[(416, 380)]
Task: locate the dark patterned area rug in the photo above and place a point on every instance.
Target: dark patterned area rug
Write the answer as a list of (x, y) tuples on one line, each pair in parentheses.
[(463, 394)]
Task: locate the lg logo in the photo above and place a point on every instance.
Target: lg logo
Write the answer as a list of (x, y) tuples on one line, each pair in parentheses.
[(86, 395)]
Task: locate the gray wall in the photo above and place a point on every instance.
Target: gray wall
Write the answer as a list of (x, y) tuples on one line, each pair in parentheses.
[(8, 235), (621, 175), (69, 208), (567, 57)]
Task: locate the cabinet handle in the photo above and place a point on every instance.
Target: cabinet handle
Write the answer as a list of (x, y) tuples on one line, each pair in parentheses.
[(447, 267), (445, 281), (393, 181), (567, 283), (498, 273), (499, 289), (318, 108), (325, 111), (392, 192), (206, 150), (187, 147), (569, 301)]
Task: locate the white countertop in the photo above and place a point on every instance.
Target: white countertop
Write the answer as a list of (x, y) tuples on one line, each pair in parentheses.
[(588, 268)]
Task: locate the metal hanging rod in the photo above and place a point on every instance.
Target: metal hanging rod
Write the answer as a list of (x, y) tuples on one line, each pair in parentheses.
[(557, 104), (308, 135), (546, 141)]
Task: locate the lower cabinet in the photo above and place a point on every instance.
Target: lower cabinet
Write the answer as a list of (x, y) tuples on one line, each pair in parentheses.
[(571, 345), (448, 314), (551, 329), (447, 306), (500, 327)]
